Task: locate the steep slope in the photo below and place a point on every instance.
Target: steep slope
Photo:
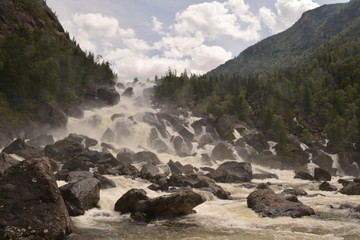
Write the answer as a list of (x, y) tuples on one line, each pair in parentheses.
[(43, 73), (289, 47)]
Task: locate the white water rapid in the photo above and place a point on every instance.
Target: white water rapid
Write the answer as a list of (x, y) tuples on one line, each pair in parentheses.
[(215, 219)]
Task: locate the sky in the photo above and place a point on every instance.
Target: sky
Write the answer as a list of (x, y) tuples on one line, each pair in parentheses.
[(144, 38)]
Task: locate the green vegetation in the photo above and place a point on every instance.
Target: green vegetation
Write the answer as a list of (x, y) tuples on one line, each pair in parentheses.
[(320, 95)]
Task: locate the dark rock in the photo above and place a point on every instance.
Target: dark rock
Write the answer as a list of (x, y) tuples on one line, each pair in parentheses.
[(248, 153), (344, 182), (74, 111), (321, 174), (205, 160), (109, 95), (105, 183), (159, 145), (348, 162), (20, 148), (294, 191), (346, 206), (268, 204), (222, 152), (199, 124), (323, 161), (78, 164), (51, 115), (107, 146), (63, 149), (304, 176), (121, 169), (120, 85), (125, 157), (292, 198), (198, 181), (256, 139), (178, 168), (41, 141), (232, 172), (29, 190), (88, 142), (75, 176), (178, 143), (223, 126), (240, 143), (351, 189), (205, 139), (152, 120), (325, 186), (127, 202), (147, 157), (81, 195), (62, 175), (108, 136), (264, 176), (139, 217), (129, 92), (164, 207), (6, 161), (148, 171), (117, 115)]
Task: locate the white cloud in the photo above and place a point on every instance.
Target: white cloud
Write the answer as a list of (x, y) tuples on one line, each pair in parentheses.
[(288, 12), (214, 19), (157, 25)]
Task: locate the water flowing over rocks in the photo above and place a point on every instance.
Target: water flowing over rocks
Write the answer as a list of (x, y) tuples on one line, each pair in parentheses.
[(268, 204), (29, 190), (163, 207)]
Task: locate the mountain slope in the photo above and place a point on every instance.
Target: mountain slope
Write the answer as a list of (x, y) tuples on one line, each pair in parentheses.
[(42, 71), (289, 47)]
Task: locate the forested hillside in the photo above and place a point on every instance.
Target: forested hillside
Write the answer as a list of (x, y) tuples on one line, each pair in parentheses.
[(317, 96), (40, 65)]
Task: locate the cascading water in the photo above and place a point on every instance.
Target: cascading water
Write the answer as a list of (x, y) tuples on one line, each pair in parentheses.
[(215, 219)]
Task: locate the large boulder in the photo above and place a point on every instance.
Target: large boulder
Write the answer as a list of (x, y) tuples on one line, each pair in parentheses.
[(108, 95), (51, 115), (152, 119), (31, 203), (348, 162), (232, 172), (326, 186), (304, 176), (198, 181), (19, 147), (222, 152), (87, 141), (41, 141), (205, 139), (224, 128), (268, 204), (6, 161), (146, 157), (148, 171), (63, 149), (81, 195), (178, 168), (323, 161), (353, 188), (163, 207), (129, 92), (321, 174), (256, 139)]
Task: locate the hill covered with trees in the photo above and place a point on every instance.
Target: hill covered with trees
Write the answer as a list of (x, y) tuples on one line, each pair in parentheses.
[(313, 91), (42, 71)]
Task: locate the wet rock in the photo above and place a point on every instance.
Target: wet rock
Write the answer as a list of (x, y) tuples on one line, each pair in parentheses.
[(224, 128), (178, 143), (120, 170), (206, 123), (200, 182), (120, 85), (232, 172), (81, 195), (159, 145), (264, 176), (326, 186), (147, 157), (351, 189), (117, 115), (222, 152), (294, 191), (348, 162), (248, 153), (304, 176), (163, 207), (108, 95), (178, 168), (75, 176), (205, 160), (148, 171), (78, 164), (323, 161), (41, 141), (88, 142), (125, 157), (344, 182), (256, 139), (6, 161), (321, 174), (29, 190), (20, 148), (204, 140), (62, 150), (74, 111), (152, 120), (107, 146), (105, 183), (268, 204), (51, 115), (108, 136), (129, 92)]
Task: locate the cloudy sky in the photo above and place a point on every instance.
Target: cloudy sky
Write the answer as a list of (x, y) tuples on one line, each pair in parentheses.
[(143, 38)]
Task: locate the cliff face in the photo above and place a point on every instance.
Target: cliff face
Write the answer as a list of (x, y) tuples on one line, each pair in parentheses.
[(43, 73), (20, 17)]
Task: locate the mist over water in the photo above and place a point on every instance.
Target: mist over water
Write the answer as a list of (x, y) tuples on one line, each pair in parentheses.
[(215, 219)]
